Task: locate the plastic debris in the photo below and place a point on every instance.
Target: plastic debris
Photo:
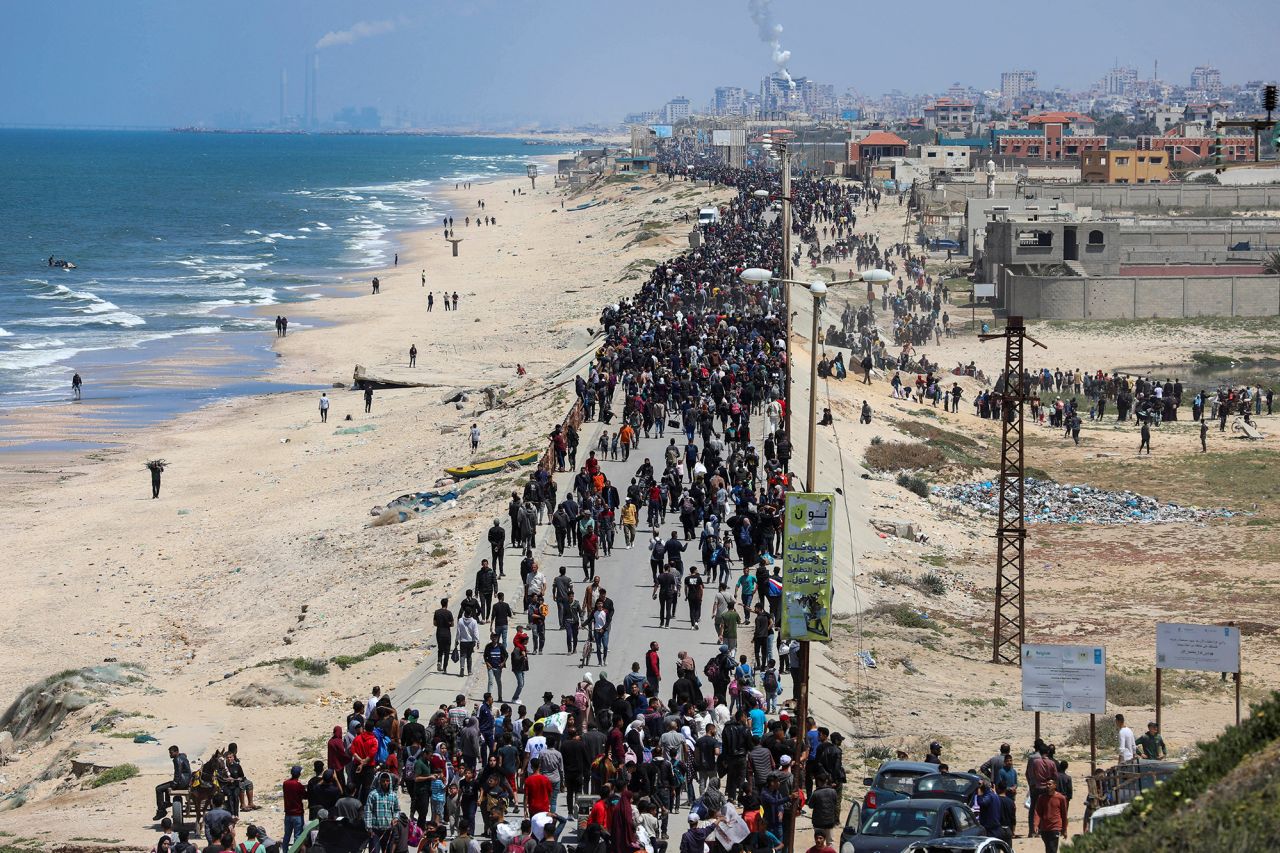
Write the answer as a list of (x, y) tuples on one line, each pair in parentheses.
[(1048, 502)]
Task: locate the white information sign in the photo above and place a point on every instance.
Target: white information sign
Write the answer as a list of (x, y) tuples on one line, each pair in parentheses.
[(720, 138), (1210, 648), (1064, 679), (984, 291)]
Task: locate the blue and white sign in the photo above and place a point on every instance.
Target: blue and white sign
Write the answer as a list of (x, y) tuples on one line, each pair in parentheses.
[(1064, 679), (1208, 648)]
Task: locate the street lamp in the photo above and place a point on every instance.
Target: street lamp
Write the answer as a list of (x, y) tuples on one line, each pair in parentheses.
[(532, 171)]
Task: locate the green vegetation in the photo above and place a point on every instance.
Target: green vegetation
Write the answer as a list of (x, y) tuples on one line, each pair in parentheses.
[(439, 551), (1107, 733), (916, 485), (903, 456), (980, 703), (1212, 360), (345, 661), (1129, 691), (904, 616), (1227, 793), (310, 666), (957, 448), (119, 773), (931, 583), (422, 584), (1271, 263)]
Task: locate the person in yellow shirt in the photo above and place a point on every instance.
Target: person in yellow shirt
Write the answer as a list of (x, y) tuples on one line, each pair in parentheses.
[(629, 519)]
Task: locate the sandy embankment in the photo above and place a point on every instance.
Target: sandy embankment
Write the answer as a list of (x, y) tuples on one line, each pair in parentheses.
[(264, 510)]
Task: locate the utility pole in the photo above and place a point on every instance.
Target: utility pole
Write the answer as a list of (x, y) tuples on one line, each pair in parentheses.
[(1010, 630), (781, 146)]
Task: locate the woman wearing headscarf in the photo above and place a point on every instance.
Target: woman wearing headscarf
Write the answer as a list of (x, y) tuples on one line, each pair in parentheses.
[(339, 753), (622, 826)]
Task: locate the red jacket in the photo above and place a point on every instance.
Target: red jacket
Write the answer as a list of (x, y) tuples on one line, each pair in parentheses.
[(365, 748), (1051, 812)]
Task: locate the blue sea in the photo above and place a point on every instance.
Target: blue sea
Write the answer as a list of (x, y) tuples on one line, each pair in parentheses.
[(176, 235)]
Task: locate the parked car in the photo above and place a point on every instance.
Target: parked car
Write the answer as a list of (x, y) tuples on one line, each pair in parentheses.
[(961, 787), (894, 827), (895, 780), (942, 245), (968, 844)]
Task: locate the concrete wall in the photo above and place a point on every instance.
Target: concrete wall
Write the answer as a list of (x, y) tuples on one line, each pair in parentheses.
[(1127, 298), (1127, 197)]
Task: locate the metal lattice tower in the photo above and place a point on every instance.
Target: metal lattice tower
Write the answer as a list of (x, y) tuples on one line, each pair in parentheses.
[(1011, 533)]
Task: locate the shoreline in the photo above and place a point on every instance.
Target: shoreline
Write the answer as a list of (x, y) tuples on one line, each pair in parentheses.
[(208, 380)]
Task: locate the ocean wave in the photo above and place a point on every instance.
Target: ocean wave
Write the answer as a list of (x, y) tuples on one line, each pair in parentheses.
[(117, 318), (5, 334)]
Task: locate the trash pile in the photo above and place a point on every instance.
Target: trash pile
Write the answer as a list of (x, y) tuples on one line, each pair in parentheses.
[(1048, 502)]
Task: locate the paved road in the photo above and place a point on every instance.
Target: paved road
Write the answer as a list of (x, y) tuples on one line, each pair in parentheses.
[(626, 576)]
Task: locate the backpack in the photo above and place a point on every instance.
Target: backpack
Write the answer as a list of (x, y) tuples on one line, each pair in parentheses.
[(770, 682), (383, 742), (711, 670)]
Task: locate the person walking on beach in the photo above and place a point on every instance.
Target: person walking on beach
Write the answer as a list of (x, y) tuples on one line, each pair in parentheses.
[(413, 355), (475, 437), (424, 278), (444, 297), (368, 399), (278, 325), (1204, 434), (324, 408), (455, 300), (156, 467), (376, 284), (1146, 438), (76, 383), (284, 327), (431, 301), (396, 262)]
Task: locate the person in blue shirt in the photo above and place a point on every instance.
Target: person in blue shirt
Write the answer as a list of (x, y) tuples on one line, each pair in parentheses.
[(1007, 775), (758, 720)]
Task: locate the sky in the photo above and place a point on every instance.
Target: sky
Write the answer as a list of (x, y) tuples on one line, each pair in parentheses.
[(558, 62)]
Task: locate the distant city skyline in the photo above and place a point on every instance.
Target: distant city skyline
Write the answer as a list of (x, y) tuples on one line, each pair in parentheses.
[(494, 63)]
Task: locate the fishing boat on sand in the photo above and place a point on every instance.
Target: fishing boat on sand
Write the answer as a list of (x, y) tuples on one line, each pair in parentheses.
[(492, 466)]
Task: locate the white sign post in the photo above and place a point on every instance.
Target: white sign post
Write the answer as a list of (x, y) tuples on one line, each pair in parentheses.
[(1204, 648), (1066, 680)]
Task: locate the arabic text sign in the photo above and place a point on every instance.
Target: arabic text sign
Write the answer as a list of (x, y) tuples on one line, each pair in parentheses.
[(1064, 679), (1210, 648), (806, 567)]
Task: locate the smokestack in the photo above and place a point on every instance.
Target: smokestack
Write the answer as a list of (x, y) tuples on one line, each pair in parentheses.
[(284, 95)]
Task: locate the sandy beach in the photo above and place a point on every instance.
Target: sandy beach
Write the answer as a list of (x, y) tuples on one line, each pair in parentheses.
[(259, 548)]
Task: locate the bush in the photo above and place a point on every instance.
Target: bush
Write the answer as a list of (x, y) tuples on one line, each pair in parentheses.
[(904, 616), (914, 484), (1108, 736), (114, 774), (1129, 691), (931, 583), (344, 661), (903, 456), (311, 666)]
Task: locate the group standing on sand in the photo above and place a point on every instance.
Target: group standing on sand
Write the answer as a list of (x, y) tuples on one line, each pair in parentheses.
[(282, 326)]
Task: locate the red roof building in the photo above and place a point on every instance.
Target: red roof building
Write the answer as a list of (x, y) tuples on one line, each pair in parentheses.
[(876, 146)]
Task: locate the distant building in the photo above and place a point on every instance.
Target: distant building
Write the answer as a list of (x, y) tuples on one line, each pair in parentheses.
[(1049, 136), (1120, 80), (646, 117), (949, 114), (877, 145), (779, 94), (1124, 167), (1078, 122), (1206, 78), (945, 158), (729, 100), (1195, 149), (1015, 83), (675, 110)]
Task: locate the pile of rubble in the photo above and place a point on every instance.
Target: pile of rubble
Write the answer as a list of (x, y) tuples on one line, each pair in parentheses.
[(1048, 502)]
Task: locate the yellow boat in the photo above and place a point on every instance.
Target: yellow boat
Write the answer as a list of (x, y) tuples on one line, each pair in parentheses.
[(491, 466)]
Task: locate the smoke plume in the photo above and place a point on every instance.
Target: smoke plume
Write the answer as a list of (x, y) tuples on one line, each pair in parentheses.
[(770, 33), (356, 32)]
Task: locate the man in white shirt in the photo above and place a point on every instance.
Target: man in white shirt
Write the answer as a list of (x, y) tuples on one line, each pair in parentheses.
[(1128, 745)]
